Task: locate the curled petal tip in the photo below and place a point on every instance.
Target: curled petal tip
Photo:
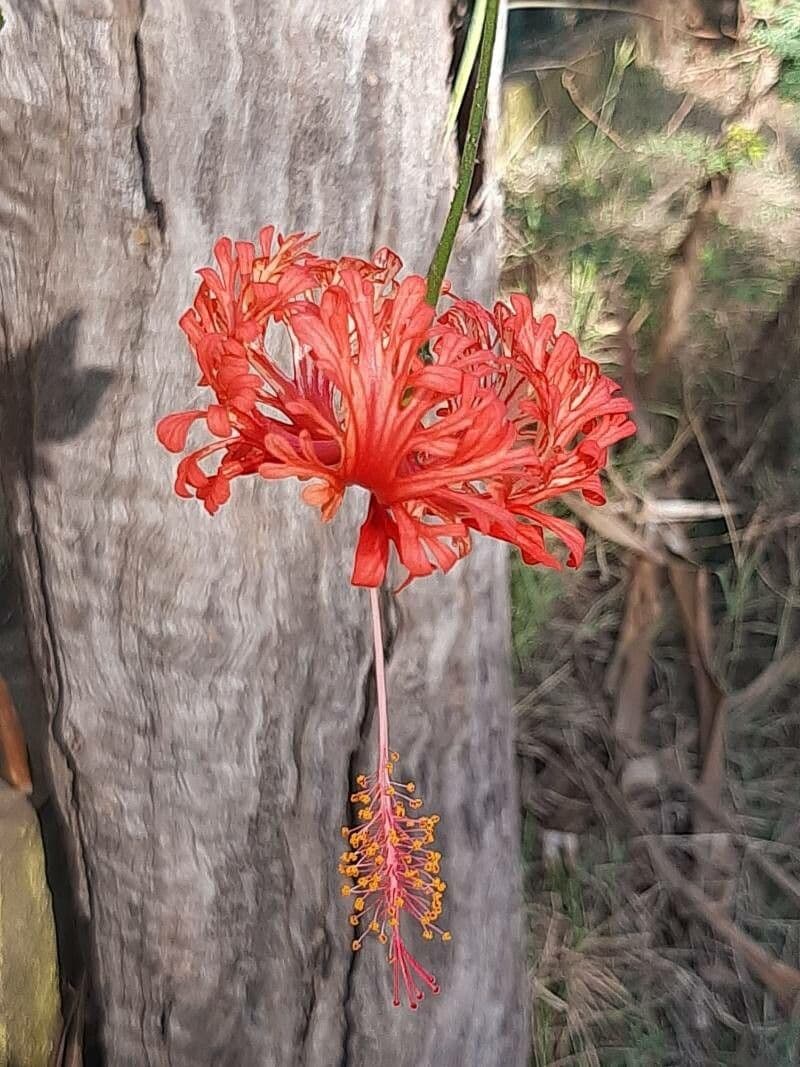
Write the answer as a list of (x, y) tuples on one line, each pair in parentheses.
[(173, 430)]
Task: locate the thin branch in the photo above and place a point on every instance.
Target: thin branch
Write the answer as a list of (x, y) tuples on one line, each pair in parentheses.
[(773, 678), (568, 81), (781, 979), (680, 115), (717, 481), (683, 278)]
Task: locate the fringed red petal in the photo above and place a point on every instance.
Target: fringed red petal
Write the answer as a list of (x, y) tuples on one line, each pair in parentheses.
[(468, 421)]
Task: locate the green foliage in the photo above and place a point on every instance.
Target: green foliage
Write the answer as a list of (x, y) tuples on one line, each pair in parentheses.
[(534, 591), (564, 213), (586, 298), (786, 1044), (779, 30), (780, 1046), (572, 218), (742, 147), (624, 55), (568, 891), (647, 1046), (739, 147), (733, 266)]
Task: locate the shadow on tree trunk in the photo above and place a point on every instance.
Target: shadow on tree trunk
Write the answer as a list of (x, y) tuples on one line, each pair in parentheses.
[(45, 398)]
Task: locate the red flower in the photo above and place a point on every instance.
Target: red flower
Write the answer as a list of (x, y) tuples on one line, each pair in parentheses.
[(463, 423), (469, 421), (565, 412)]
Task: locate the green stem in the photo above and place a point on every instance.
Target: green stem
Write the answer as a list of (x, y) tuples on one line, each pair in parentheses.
[(466, 166)]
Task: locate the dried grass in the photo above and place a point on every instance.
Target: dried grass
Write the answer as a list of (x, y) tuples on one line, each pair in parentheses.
[(659, 723)]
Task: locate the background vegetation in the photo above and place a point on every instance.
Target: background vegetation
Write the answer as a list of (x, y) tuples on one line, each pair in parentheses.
[(653, 203)]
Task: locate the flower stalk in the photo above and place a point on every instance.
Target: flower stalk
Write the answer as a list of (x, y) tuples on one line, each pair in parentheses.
[(466, 166), (380, 679), (394, 873)]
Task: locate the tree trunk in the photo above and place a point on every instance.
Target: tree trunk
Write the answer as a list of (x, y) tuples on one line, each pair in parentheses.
[(208, 682)]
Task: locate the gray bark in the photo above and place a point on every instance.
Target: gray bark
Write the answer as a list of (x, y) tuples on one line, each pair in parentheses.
[(207, 682)]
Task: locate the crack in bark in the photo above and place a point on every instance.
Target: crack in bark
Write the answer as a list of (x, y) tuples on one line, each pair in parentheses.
[(151, 202), (164, 1026), (308, 1015)]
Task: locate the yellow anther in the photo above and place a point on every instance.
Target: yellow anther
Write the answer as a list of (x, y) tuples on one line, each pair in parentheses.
[(359, 904), (345, 890), (395, 756), (428, 935), (354, 920), (355, 946), (383, 938), (410, 787), (447, 936)]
